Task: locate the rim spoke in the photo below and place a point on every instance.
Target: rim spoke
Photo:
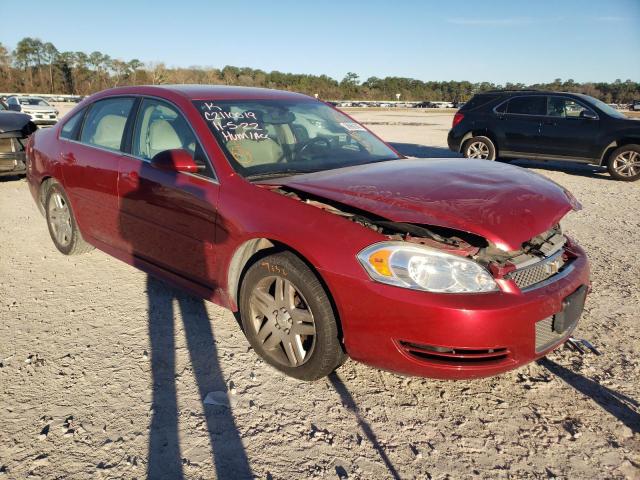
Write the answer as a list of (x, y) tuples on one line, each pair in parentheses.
[(289, 295), (263, 302), (279, 291), (304, 329), (267, 328), (272, 341), (293, 350)]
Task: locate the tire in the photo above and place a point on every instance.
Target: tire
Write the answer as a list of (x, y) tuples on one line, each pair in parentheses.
[(298, 332), (62, 224), (481, 148), (624, 163)]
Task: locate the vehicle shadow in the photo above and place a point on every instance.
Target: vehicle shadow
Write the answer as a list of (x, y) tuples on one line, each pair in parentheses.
[(577, 169), (624, 408), (351, 405), (165, 460), (424, 151)]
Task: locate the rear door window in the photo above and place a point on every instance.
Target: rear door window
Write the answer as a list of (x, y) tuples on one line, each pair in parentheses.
[(531, 105), (105, 123)]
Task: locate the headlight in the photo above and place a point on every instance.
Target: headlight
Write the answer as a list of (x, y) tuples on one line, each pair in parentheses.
[(423, 268)]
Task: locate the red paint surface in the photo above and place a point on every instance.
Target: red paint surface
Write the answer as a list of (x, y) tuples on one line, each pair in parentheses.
[(186, 229)]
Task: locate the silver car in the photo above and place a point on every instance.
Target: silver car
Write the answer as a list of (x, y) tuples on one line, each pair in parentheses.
[(37, 108)]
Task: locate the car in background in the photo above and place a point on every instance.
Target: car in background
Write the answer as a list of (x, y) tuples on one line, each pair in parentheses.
[(40, 111), (635, 105), (547, 126), (321, 236), (15, 129)]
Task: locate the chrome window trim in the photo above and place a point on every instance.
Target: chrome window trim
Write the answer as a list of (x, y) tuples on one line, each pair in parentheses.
[(213, 179)]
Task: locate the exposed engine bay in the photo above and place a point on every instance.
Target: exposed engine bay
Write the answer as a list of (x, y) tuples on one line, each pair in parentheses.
[(499, 262)]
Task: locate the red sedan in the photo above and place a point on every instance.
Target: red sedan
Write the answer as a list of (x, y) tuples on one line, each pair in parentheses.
[(325, 239)]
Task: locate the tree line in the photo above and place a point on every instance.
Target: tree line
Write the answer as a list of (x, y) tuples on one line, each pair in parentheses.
[(35, 66)]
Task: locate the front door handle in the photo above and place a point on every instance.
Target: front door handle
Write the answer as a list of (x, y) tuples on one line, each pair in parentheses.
[(550, 122)]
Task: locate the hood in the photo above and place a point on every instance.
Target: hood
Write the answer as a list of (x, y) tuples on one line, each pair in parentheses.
[(38, 108), (506, 205), (16, 124)]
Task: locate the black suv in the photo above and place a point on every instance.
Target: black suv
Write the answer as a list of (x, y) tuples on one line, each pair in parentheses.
[(547, 126)]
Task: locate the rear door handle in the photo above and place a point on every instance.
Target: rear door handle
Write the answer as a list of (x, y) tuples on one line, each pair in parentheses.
[(550, 122)]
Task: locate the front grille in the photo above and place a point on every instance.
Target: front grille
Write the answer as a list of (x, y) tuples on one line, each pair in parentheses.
[(528, 276), (454, 356), (546, 336)]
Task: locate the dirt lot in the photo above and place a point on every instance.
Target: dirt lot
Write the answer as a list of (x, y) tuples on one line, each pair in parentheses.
[(76, 387)]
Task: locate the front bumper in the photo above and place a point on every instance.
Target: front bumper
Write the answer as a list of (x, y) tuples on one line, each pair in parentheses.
[(488, 333)]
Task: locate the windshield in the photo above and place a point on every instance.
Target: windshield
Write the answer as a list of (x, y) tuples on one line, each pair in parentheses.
[(33, 101), (264, 138), (609, 110)]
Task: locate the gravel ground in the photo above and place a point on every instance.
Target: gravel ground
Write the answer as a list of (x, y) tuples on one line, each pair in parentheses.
[(76, 385)]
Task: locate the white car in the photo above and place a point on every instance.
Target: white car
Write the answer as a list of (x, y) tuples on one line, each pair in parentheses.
[(37, 108)]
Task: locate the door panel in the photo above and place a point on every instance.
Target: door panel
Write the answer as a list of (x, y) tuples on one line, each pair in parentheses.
[(169, 218), (90, 166), (519, 123), (564, 132), (91, 180)]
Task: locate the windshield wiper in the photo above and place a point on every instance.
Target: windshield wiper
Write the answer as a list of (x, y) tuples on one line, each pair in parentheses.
[(281, 173)]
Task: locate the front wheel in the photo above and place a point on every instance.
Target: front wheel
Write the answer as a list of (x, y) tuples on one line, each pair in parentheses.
[(481, 148), (624, 163), (288, 318)]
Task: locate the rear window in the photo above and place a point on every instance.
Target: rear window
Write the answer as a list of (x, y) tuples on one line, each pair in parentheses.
[(105, 122), (70, 129), (528, 105), (478, 101)]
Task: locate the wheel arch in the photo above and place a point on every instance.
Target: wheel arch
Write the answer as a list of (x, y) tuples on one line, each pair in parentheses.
[(252, 250), (480, 132), (608, 150), (45, 184)]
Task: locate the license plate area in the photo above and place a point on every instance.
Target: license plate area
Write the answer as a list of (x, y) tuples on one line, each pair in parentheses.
[(552, 330), (572, 308)]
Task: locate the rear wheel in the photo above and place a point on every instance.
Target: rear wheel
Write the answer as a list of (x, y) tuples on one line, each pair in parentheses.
[(62, 224), (288, 318), (624, 163), (479, 147)]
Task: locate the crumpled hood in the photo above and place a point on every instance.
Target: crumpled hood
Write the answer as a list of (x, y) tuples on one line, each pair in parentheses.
[(505, 204), (16, 124)]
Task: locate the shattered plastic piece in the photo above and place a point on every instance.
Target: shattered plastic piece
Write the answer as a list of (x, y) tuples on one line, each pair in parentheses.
[(220, 398)]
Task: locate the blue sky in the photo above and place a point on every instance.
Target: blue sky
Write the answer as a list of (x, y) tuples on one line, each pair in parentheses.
[(497, 41)]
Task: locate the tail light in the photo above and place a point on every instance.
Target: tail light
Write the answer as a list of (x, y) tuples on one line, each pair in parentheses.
[(457, 118)]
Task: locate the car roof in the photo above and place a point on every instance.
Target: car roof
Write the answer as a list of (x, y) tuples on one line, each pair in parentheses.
[(528, 92), (207, 92)]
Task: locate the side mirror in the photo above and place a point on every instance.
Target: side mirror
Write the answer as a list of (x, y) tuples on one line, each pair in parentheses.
[(588, 114), (175, 160)]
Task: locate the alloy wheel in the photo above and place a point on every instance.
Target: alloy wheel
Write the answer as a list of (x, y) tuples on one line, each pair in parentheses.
[(627, 164), (478, 150), (60, 219), (282, 321)]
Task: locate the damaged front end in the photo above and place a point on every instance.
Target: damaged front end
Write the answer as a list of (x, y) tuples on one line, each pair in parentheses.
[(15, 129), (534, 264)]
